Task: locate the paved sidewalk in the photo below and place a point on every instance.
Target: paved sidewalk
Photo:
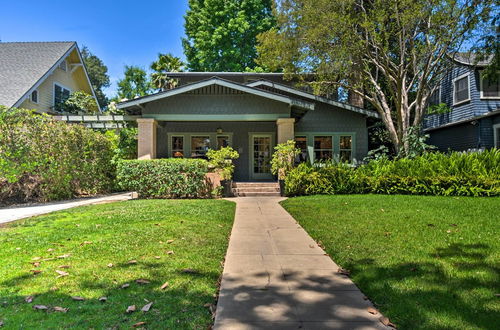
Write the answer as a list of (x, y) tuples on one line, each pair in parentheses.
[(8, 214), (276, 277)]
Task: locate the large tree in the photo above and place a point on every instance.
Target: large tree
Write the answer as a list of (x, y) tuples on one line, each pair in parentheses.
[(134, 84), (221, 35), (98, 75), (161, 67), (391, 53)]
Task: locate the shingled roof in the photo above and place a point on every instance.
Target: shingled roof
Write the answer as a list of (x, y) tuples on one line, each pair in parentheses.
[(23, 64)]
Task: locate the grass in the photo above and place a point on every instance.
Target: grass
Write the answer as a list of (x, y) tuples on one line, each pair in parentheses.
[(426, 262), (99, 235)]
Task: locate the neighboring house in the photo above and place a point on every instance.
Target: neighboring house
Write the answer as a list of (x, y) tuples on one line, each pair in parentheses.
[(251, 112), (39, 75), (474, 120)]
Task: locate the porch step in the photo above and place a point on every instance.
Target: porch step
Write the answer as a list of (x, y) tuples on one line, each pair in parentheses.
[(248, 189)]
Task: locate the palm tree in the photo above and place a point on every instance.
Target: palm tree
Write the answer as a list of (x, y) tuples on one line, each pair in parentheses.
[(166, 63)]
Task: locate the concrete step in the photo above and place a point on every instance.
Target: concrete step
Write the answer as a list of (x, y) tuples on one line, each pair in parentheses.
[(255, 184), (257, 189), (257, 194)]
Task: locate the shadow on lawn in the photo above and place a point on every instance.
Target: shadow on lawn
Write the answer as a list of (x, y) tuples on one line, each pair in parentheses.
[(447, 286), (179, 306)]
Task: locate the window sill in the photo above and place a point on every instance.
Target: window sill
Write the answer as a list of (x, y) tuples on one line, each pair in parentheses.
[(489, 98), (461, 102)]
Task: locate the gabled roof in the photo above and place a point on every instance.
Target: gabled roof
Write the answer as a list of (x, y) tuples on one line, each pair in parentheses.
[(290, 90), (219, 82), (25, 65)]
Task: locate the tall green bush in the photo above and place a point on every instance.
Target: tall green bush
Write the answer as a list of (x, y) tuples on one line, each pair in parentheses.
[(43, 159), (454, 174), (165, 178)]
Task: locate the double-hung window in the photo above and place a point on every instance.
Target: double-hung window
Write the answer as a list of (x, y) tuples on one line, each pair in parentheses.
[(323, 148), (177, 146), (490, 87), (61, 94), (222, 141), (199, 146), (461, 90), (345, 148), (301, 143)]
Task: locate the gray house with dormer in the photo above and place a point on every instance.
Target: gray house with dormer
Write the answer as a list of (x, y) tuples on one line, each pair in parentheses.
[(474, 120)]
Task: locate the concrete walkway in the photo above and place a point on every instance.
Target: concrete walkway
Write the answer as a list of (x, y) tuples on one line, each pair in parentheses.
[(8, 214), (276, 277)]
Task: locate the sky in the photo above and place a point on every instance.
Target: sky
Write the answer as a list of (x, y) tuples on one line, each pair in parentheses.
[(121, 33)]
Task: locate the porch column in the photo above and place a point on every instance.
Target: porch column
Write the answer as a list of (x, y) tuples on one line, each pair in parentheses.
[(146, 146), (285, 129)]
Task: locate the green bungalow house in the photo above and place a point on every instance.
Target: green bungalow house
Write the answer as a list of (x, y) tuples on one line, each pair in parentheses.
[(251, 112)]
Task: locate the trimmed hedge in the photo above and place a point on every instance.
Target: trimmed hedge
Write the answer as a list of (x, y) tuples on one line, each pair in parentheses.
[(165, 178), (43, 159), (455, 174)]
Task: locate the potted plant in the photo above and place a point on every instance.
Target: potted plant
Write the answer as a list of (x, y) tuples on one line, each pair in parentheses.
[(283, 161), (222, 161)]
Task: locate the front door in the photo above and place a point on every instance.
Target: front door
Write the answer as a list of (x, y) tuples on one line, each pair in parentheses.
[(260, 160)]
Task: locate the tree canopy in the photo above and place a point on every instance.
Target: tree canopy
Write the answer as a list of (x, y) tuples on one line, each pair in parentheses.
[(161, 67), (134, 84), (391, 53), (98, 75), (221, 35)]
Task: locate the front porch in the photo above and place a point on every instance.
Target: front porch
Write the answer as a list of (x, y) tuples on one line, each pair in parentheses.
[(254, 141)]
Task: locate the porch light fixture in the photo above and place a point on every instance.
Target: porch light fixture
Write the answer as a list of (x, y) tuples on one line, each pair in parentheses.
[(219, 130)]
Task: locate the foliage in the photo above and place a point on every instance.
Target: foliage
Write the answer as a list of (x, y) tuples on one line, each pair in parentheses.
[(437, 109), (162, 66), (78, 101), (221, 35), (98, 75), (99, 241), (487, 48), (43, 159), (284, 158), (134, 84), (222, 160), (455, 174), (164, 178), (127, 143), (426, 262), (391, 53), (416, 142)]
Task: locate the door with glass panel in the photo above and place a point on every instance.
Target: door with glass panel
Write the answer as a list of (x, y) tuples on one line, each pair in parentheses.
[(260, 156)]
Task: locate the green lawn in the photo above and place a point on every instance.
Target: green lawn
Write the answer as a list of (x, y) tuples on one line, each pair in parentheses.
[(426, 262), (91, 238)]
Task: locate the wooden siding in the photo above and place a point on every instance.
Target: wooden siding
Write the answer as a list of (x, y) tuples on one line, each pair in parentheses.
[(459, 138), (326, 118), (76, 81)]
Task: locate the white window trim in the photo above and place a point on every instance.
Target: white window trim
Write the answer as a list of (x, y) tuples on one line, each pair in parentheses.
[(187, 141), (481, 89), (496, 138), (54, 92), (468, 83), (37, 96)]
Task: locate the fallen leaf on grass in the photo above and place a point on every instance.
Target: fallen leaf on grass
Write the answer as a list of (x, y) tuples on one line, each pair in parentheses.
[(146, 307), (36, 264), (36, 258), (453, 225), (157, 257), (372, 310), (62, 273), (132, 262), (170, 252), (48, 259), (35, 271), (50, 250), (60, 309), (170, 241), (40, 307), (138, 324), (131, 309), (385, 321), (142, 281), (124, 286), (110, 265), (63, 256), (77, 298), (103, 299), (29, 299), (86, 242), (164, 286), (64, 266), (211, 307)]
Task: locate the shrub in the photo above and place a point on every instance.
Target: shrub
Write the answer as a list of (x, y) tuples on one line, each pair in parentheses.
[(454, 174), (222, 160), (284, 158), (43, 159), (164, 178)]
